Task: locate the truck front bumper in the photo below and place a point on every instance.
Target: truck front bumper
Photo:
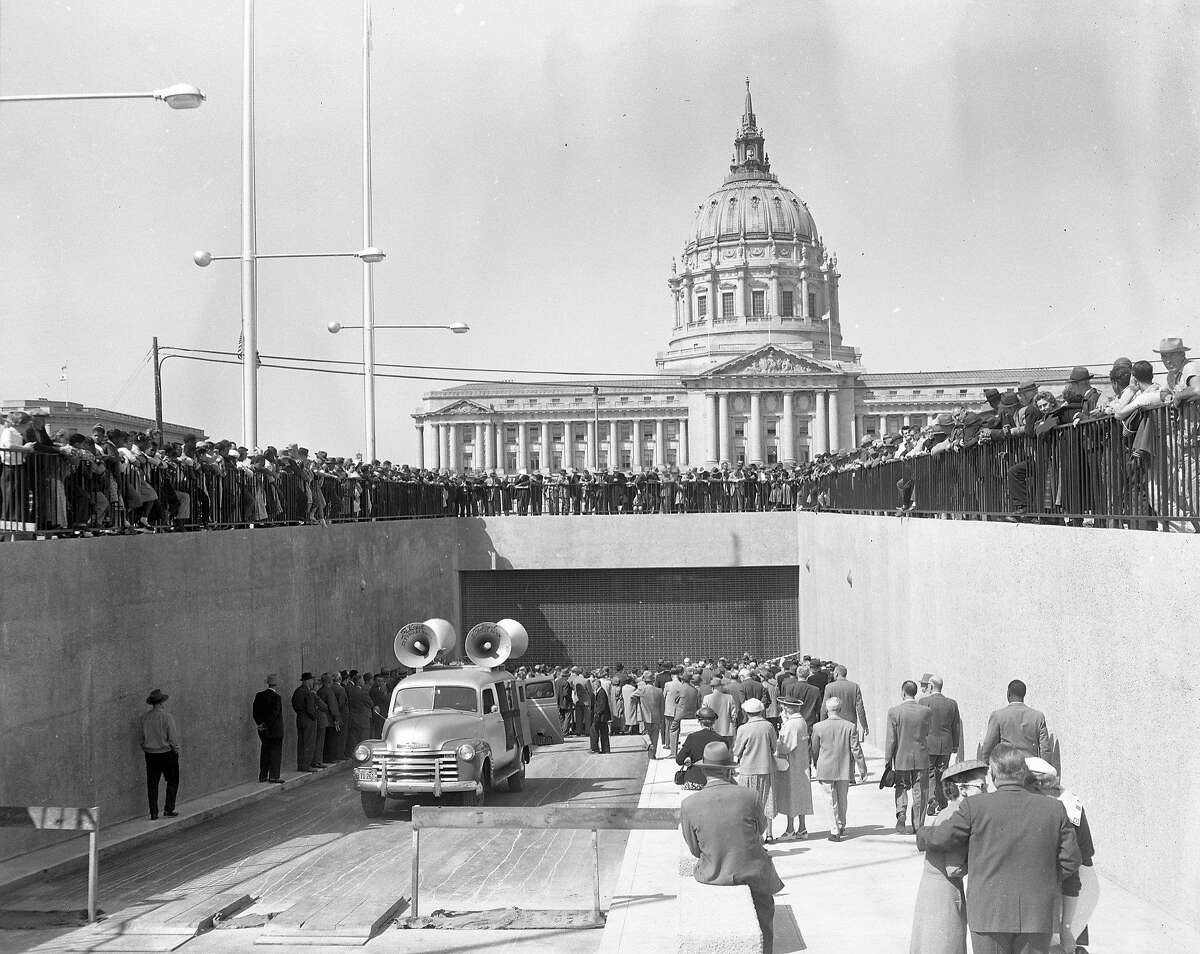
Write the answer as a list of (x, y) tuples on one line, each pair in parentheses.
[(369, 778)]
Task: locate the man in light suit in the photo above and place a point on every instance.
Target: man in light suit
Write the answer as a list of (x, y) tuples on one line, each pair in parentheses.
[(680, 701), (836, 753), (851, 696), (1018, 725), (268, 719), (726, 718), (943, 741), (1022, 847), (650, 704), (907, 730), (722, 826)]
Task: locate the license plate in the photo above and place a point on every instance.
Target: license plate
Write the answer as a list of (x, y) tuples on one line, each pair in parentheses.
[(364, 775)]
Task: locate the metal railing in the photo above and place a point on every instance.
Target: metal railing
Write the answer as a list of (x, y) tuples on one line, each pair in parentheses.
[(1143, 473)]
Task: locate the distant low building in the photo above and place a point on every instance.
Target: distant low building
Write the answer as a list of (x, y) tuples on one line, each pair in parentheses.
[(71, 417)]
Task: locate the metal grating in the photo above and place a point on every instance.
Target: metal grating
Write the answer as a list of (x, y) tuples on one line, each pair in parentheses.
[(602, 617)]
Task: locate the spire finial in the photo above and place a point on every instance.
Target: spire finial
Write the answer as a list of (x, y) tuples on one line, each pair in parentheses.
[(749, 103)]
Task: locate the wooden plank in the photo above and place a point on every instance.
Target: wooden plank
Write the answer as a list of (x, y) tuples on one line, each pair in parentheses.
[(50, 817), (192, 914), (548, 816)]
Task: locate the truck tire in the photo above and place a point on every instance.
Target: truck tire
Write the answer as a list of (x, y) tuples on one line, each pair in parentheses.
[(516, 781), (372, 804)]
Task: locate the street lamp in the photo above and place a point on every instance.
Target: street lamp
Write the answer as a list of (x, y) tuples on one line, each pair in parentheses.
[(368, 256), (455, 327), (177, 96)]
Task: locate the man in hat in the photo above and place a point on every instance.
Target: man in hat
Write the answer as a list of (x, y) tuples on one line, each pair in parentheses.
[(1022, 847), (159, 738), (1017, 725), (1183, 377), (851, 695), (304, 703), (722, 826), (680, 701), (724, 709), (268, 719), (907, 729), (836, 753), (651, 706)]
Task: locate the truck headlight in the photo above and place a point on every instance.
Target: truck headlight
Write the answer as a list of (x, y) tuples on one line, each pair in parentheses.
[(362, 753), (466, 751)]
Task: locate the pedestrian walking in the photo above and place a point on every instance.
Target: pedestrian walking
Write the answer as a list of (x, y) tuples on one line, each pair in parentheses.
[(600, 715), (836, 753), (268, 720), (943, 741), (1017, 724), (159, 738), (1021, 847), (380, 700), (358, 722), (907, 729), (650, 704), (793, 787), (754, 749)]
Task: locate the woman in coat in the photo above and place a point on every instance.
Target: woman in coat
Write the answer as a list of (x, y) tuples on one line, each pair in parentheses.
[(754, 749), (793, 788), (940, 914)]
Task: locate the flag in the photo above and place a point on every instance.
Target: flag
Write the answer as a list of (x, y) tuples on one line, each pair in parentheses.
[(241, 346), (63, 375)]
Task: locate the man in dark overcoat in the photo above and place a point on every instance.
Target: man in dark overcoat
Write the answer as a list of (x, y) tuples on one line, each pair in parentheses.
[(907, 730), (1022, 847), (722, 825), (268, 718)]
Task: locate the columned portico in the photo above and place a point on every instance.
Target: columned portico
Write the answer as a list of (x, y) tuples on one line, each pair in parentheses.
[(754, 437), (820, 429), (787, 430), (713, 429), (835, 428), (726, 431)]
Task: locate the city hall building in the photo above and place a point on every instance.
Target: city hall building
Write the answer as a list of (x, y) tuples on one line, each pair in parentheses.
[(755, 369)]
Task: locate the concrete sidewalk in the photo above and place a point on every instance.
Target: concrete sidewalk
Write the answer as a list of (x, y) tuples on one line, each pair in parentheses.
[(844, 897), (63, 857)]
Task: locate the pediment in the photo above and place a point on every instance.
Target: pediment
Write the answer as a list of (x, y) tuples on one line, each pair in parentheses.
[(464, 406), (771, 360)]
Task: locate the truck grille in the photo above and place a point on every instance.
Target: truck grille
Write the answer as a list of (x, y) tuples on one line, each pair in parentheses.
[(416, 765)]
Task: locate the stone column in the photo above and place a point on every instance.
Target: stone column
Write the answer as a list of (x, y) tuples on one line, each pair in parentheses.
[(452, 447), (592, 458), (714, 292), (683, 458), (687, 299), (835, 424), (754, 438), (635, 450), (907, 420), (522, 445), (820, 428), (444, 453), (787, 430), (803, 312), (547, 459), (477, 457), (773, 304), (712, 427), (420, 446), (489, 445), (660, 443), (739, 303), (612, 445), (726, 430)]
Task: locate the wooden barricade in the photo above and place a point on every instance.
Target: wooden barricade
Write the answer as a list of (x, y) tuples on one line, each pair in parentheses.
[(596, 819), (62, 819)]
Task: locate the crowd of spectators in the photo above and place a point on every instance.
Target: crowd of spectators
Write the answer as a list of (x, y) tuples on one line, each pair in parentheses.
[(1076, 456)]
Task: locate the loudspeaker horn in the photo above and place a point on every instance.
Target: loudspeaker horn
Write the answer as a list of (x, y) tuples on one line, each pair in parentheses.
[(418, 644), (492, 644)]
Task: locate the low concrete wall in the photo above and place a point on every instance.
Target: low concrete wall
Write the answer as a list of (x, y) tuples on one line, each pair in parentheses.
[(1100, 624), (90, 626)]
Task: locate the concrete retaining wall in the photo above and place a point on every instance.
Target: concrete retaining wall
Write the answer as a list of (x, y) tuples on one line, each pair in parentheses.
[(1101, 625)]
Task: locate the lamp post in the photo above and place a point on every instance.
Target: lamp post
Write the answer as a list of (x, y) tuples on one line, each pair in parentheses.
[(368, 327), (368, 289), (178, 96)]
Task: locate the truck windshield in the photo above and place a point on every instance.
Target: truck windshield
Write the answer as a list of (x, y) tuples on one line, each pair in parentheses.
[(425, 698)]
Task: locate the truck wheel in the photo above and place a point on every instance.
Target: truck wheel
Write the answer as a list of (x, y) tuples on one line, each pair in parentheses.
[(516, 781), (486, 777), (372, 804)]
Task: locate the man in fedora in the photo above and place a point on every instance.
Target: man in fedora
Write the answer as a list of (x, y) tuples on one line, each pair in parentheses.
[(723, 827), (304, 703), (268, 719), (159, 738), (1183, 376)]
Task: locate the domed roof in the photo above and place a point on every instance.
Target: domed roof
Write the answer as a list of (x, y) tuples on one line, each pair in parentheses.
[(755, 208)]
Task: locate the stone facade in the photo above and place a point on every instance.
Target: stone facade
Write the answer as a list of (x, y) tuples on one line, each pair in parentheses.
[(755, 368)]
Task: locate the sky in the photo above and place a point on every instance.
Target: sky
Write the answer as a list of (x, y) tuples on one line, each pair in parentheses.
[(1004, 185)]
